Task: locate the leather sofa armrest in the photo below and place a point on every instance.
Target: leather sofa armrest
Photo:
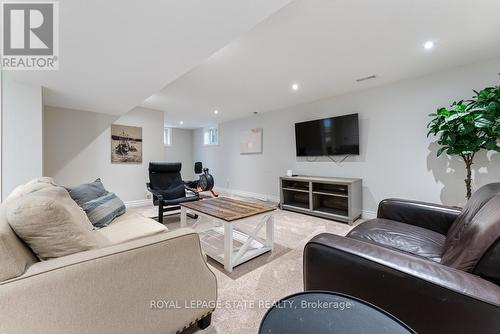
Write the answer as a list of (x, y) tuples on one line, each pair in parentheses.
[(435, 217), (156, 284), (413, 289)]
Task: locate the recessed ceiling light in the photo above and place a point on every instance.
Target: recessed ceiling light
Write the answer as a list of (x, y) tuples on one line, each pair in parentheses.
[(295, 86), (428, 45), (216, 111), (181, 122)]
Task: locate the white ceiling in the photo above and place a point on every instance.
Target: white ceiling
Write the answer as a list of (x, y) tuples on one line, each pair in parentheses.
[(116, 53), (325, 46)]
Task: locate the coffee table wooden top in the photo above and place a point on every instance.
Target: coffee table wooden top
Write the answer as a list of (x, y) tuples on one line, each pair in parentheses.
[(227, 209)]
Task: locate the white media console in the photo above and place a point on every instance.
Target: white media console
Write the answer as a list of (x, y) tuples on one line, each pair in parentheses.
[(326, 197)]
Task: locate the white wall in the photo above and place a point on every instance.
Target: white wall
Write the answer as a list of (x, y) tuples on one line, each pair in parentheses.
[(396, 158), (22, 140), (181, 150), (1, 112), (77, 148)]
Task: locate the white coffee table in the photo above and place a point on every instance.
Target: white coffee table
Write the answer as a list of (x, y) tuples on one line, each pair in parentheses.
[(229, 213)]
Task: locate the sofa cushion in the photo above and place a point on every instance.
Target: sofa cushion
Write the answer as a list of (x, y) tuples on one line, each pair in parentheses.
[(404, 237), (474, 204), (478, 235), (130, 226), (31, 186), (15, 256), (87, 192), (51, 223), (102, 210), (100, 205)]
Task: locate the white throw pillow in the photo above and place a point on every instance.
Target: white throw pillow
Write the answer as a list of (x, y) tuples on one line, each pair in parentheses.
[(51, 223), (32, 186)]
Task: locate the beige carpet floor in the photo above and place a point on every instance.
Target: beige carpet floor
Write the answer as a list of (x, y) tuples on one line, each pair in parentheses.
[(252, 287)]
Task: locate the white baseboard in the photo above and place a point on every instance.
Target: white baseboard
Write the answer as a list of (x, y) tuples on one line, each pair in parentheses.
[(263, 197), (138, 203)]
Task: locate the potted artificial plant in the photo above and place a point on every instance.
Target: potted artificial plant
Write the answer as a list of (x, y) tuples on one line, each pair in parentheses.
[(467, 127)]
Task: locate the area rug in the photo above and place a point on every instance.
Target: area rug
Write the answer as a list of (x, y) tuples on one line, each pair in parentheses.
[(249, 266), (247, 293)]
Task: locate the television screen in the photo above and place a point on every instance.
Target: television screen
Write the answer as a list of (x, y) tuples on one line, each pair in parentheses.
[(328, 136)]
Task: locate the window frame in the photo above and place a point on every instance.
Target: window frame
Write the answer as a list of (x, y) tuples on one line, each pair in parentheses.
[(167, 139), (207, 133)]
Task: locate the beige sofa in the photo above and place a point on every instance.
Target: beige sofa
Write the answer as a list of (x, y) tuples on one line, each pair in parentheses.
[(149, 280)]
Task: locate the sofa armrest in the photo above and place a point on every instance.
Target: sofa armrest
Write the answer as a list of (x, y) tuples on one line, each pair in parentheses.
[(413, 289), (435, 217), (145, 285)]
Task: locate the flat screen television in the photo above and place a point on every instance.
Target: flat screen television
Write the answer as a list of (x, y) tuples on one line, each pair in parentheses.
[(329, 136)]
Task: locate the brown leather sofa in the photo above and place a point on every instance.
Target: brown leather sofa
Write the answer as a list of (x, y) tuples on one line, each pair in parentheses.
[(434, 267)]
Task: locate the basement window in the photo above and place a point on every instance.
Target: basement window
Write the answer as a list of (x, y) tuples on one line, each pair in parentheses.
[(167, 136), (211, 136)]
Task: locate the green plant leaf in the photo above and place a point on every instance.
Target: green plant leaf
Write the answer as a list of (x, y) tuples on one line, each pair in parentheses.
[(491, 145), (468, 126), (483, 123), (441, 150)]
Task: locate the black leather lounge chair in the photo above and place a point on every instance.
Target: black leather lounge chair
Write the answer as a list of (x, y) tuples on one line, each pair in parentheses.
[(168, 189), (436, 268)]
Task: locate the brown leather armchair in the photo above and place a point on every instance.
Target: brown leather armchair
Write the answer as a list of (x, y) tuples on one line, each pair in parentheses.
[(434, 267)]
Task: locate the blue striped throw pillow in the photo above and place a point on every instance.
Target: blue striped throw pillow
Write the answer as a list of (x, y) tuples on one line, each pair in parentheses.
[(102, 210)]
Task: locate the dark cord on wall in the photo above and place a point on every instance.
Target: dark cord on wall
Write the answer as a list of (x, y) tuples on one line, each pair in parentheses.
[(339, 161)]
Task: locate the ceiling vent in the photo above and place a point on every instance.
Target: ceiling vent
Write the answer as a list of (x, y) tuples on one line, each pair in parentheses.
[(366, 78)]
